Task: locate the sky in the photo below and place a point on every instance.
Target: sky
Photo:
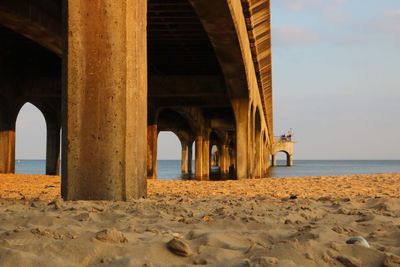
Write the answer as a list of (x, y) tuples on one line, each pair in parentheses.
[(336, 82)]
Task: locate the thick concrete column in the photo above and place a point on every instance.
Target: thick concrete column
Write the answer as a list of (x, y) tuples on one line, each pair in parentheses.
[(206, 155), (7, 134), (273, 161), (105, 100), (7, 148), (53, 148), (224, 159), (241, 110), (199, 157), (152, 136), (184, 167), (190, 158), (289, 160), (257, 155)]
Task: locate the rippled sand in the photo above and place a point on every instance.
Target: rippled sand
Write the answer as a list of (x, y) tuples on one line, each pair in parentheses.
[(267, 222)]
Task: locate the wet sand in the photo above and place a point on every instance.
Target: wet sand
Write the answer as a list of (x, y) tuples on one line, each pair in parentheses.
[(265, 222)]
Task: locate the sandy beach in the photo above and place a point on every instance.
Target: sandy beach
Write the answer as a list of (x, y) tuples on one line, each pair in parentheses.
[(264, 222)]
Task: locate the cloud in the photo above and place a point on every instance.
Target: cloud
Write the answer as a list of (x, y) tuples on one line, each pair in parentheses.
[(294, 35), (331, 9), (390, 22)]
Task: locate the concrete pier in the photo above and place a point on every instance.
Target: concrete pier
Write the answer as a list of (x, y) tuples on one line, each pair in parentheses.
[(113, 74), (284, 145)]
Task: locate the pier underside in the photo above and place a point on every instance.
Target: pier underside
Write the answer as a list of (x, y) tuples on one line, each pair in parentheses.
[(113, 74)]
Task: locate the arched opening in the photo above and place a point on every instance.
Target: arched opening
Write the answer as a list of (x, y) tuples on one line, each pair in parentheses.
[(257, 150), (281, 159), (30, 141), (168, 156), (174, 152), (215, 160)]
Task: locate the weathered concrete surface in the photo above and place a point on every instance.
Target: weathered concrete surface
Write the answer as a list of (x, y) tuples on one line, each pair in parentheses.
[(7, 135), (241, 109), (105, 95), (7, 151)]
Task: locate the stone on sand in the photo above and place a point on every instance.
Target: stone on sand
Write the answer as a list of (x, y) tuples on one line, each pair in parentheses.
[(179, 247), (358, 240), (111, 236)]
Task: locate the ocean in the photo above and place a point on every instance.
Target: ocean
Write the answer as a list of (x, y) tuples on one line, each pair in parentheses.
[(170, 169)]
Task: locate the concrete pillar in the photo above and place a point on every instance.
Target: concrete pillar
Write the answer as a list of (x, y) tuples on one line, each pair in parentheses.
[(152, 136), (184, 158), (241, 110), (190, 158), (199, 157), (224, 159), (289, 160), (105, 100), (53, 148), (251, 146), (7, 134), (7, 148), (257, 155), (273, 161), (206, 155)]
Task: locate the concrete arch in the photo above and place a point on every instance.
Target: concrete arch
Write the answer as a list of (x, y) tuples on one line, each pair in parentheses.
[(289, 158), (171, 120), (220, 25)]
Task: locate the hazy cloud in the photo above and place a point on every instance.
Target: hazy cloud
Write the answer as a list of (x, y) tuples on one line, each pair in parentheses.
[(332, 9), (390, 22), (294, 35)]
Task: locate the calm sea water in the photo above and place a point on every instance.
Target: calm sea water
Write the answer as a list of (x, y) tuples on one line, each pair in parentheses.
[(170, 169)]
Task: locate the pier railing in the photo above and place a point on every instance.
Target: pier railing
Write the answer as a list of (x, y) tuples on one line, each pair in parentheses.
[(283, 138)]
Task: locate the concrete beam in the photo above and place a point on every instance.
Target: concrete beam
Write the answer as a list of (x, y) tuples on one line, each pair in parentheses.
[(186, 85), (41, 25)]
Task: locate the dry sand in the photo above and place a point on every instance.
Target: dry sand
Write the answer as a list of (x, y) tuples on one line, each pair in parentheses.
[(232, 223)]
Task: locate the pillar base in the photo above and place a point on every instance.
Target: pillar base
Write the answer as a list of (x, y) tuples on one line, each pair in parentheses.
[(7, 151)]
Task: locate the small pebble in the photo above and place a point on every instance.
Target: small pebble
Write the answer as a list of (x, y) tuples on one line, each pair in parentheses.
[(358, 240), (111, 236), (179, 247)]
